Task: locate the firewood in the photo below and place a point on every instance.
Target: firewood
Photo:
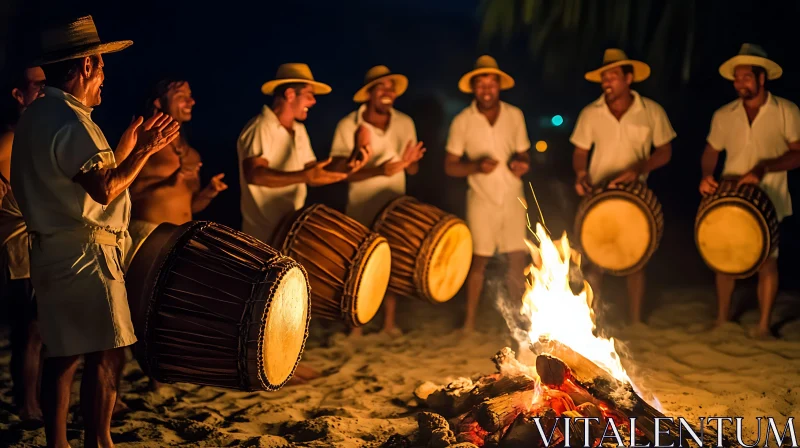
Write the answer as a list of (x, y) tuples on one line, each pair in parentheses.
[(463, 445), (600, 384), (469, 430), (441, 438), (552, 374), (429, 423), (492, 440), (523, 432), (497, 413), (503, 357)]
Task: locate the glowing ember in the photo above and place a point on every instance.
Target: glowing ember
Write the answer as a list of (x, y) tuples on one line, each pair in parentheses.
[(556, 313)]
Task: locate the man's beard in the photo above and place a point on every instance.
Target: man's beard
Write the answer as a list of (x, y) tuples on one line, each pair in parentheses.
[(747, 94)]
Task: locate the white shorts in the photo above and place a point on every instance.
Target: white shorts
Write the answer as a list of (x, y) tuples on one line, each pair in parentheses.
[(496, 228)]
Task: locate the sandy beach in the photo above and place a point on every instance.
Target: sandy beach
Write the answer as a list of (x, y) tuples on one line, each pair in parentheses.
[(366, 393)]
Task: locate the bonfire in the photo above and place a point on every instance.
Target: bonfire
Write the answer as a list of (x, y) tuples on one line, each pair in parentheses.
[(577, 391)]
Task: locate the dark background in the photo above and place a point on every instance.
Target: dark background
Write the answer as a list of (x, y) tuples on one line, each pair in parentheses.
[(228, 49)]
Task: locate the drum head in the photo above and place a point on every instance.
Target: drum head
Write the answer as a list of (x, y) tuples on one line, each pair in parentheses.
[(615, 234), (450, 263), (731, 239), (373, 281), (285, 328)]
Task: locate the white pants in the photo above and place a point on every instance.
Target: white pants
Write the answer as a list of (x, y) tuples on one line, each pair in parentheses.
[(496, 228)]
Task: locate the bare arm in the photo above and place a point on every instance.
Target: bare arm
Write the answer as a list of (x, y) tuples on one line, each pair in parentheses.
[(455, 167), (258, 172), (580, 161), (708, 163), (105, 184), (413, 168), (787, 162), (660, 157), (6, 143)]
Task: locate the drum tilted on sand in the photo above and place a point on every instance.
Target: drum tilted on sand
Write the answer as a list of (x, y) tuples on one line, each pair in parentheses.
[(348, 265), (736, 229), (431, 249), (214, 306), (620, 227)]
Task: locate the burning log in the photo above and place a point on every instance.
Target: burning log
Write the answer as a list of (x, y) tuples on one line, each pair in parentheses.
[(459, 397), (523, 432), (497, 413), (601, 385)]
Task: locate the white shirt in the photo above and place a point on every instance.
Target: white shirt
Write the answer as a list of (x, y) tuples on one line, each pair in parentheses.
[(263, 208), (366, 198), (618, 144), (55, 140), (471, 134), (775, 126)]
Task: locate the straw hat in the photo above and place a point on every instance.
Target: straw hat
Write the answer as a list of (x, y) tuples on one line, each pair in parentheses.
[(614, 57), (750, 54), (377, 74), (294, 73), (75, 40), (485, 64)]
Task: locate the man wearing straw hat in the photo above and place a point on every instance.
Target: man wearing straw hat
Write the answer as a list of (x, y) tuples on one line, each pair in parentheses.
[(72, 191), (394, 151), (488, 144), (623, 126), (761, 134), (275, 156)]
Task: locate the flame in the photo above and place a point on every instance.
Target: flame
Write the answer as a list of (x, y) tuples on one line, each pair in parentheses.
[(556, 313)]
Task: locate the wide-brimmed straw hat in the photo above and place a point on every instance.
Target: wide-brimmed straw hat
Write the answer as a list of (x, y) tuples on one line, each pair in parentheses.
[(377, 74), (294, 73), (614, 57), (75, 40), (750, 54), (485, 65)]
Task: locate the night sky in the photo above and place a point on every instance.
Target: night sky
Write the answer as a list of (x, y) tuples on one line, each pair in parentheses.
[(228, 49)]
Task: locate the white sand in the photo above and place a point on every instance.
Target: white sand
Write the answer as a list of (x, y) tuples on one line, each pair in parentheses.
[(368, 392)]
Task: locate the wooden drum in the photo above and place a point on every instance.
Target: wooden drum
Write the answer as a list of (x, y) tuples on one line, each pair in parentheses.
[(348, 266), (736, 229), (214, 306), (620, 227), (431, 249)]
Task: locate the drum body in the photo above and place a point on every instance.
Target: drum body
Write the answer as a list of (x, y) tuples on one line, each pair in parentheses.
[(620, 227), (431, 249), (214, 306), (348, 266), (736, 229)]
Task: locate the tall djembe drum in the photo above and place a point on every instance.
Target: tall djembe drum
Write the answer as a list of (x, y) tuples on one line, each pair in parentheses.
[(736, 229), (431, 249), (214, 306), (619, 228)]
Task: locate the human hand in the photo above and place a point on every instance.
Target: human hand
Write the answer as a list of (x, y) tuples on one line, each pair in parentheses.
[(413, 153), (753, 176), (583, 184), (708, 186), (626, 177), (359, 158), (128, 140), (393, 167), (215, 186), (519, 167), (486, 165), (317, 175), (156, 133)]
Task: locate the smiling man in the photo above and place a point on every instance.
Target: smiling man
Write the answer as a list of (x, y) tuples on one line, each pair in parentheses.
[(394, 151), (623, 127), (168, 188), (275, 157), (488, 144), (760, 132), (72, 189)]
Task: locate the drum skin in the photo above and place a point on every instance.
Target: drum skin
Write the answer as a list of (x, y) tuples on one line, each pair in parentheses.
[(431, 249), (736, 229), (620, 227), (348, 265), (214, 306)]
